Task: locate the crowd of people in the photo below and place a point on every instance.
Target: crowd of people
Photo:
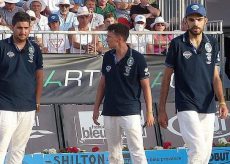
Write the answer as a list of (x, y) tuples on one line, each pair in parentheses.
[(90, 15)]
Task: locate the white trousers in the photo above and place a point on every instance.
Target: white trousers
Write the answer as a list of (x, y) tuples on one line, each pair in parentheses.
[(131, 125), (15, 129), (197, 131)]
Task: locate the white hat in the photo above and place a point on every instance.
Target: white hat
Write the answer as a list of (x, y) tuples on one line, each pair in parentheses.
[(140, 18), (2, 3), (64, 2), (83, 10), (31, 13), (12, 1), (41, 1), (159, 20)]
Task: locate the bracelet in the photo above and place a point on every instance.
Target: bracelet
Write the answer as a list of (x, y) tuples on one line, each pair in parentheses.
[(149, 112), (222, 103)]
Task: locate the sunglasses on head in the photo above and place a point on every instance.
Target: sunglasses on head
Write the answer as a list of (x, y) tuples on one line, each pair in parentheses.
[(160, 24), (64, 5)]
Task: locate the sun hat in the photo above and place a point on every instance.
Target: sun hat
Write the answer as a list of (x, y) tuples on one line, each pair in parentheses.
[(31, 14), (159, 20), (83, 10), (40, 1), (11, 1), (195, 8), (64, 2), (2, 3)]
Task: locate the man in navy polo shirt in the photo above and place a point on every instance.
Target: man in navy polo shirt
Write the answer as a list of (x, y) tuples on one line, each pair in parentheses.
[(124, 74), (193, 57), (21, 79)]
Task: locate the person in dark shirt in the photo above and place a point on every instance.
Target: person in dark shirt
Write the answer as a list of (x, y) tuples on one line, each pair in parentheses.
[(150, 11), (194, 58), (124, 74), (21, 79)]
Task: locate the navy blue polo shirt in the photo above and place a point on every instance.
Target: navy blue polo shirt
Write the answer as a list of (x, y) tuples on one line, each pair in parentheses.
[(122, 83), (194, 71), (17, 75)]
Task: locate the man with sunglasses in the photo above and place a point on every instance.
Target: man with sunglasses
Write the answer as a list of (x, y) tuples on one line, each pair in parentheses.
[(193, 57), (9, 10), (67, 18)]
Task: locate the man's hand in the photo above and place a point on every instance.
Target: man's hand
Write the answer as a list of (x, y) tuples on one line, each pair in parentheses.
[(223, 111), (96, 114), (37, 108), (149, 119), (163, 119)]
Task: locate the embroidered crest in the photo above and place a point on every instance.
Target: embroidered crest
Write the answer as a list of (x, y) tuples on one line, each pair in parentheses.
[(130, 61), (187, 54), (108, 68), (10, 54), (208, 47), (209, 58)]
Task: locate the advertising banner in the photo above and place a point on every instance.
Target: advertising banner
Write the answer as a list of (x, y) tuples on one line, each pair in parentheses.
[(71, 79)]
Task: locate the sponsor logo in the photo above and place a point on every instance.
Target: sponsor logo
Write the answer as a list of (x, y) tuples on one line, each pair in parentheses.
[(187, 54), (220, 155), (10, 54)]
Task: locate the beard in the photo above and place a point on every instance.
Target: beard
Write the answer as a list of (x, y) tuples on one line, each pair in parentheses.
[(195, 30)]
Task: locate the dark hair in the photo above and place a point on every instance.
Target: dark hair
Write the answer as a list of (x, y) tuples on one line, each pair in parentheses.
[(119, 29), (20, 17), (108, 15)]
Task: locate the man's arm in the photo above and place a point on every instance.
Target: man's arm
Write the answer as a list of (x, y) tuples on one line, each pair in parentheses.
[(39, 86), (99, 97), (223, 110), (148, 101), (163, 118)]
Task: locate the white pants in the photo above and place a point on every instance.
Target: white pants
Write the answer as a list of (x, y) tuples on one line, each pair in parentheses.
[(131, 125), (197, 131), (15, 129)]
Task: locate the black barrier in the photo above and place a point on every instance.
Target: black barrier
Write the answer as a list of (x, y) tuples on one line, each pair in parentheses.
[(45, 132)]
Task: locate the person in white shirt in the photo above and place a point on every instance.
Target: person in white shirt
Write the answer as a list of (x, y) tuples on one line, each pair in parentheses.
[(67, 18), (51, 6), (140, 42), (55, 43), (95, 18)]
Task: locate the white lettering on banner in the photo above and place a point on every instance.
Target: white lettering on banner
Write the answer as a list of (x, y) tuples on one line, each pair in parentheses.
[(91, 131), (38, 133), (220, 128), (79, 76)]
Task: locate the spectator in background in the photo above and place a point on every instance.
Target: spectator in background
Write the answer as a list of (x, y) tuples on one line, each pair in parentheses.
[(67, 18), (9, 10), (108, 20), (123, 8), (4, 28), (103, 8), (140, 42), (150, 11), (51, 6), (94, 18), (161, 41), (55, 43), (41, 23), (86, 43)]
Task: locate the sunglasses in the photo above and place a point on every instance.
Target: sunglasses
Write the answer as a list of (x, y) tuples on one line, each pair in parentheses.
[(64, 5), (160, 24), (83, 16)]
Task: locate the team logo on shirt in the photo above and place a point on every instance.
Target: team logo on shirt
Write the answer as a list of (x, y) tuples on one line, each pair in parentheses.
[(209, 58), (187, 54), (146, 70), (208, 47), (130, 61), (31, 54), (108, 68), (127, 70), (10, 54)]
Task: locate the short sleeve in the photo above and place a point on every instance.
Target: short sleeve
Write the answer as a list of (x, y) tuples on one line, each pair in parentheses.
[(142, 69), (39, 60), (170, 60)]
